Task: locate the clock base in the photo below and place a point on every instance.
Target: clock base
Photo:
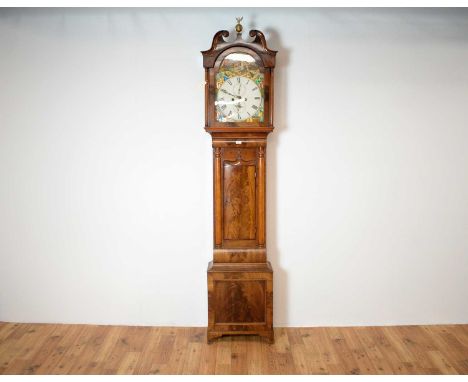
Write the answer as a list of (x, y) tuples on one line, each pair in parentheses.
[(240, 300), (268, 335)]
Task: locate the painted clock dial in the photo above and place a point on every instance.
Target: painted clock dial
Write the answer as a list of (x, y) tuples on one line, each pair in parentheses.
[(239, 90), (239, 98)]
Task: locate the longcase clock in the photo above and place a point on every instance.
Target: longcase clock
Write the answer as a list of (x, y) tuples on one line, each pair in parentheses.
[(239, 117)]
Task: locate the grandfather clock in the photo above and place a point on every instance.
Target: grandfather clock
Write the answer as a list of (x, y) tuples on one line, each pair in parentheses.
[(239, 117)]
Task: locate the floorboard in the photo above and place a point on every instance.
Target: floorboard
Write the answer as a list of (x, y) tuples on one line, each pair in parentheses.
[(102, 349)]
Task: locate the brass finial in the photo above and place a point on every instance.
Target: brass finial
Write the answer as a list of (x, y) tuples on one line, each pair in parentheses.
[(238, 25)]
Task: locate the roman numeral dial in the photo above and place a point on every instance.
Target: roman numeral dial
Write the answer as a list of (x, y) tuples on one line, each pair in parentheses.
[(238, 99)]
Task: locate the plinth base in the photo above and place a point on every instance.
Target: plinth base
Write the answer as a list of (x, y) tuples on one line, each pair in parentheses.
[(240, 300)]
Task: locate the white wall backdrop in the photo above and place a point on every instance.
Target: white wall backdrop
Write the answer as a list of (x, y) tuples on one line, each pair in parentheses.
[(105, 169)]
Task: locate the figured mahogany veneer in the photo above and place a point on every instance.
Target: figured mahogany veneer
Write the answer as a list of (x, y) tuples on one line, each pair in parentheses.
[(240, 279), (240, 299)]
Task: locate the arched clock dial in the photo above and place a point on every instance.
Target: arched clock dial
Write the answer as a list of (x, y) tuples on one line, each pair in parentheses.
[(238, 99)]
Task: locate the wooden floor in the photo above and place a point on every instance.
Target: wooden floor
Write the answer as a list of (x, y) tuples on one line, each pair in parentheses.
[(89, 349)]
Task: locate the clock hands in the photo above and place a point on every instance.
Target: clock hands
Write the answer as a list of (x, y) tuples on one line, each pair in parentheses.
[(233, 102), (232, 95)]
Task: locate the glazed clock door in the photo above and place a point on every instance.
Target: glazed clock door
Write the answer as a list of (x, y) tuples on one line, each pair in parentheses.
[(239, 90)]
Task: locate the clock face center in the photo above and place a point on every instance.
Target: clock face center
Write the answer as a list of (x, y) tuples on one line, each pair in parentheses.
[(238, 99)]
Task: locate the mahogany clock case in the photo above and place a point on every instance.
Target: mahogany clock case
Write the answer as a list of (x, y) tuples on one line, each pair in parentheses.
[(240, 279)]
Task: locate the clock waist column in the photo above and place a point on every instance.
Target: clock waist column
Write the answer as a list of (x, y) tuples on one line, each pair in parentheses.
[(239, 169)]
